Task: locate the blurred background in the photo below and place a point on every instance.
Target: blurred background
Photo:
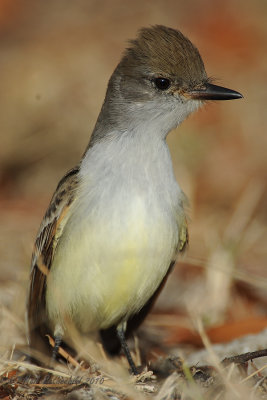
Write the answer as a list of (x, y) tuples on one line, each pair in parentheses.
[(55, 60)]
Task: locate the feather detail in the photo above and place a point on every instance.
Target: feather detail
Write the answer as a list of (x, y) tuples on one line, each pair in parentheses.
[(44, 249)]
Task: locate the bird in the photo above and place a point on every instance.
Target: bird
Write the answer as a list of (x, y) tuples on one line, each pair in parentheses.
[(117, 222)]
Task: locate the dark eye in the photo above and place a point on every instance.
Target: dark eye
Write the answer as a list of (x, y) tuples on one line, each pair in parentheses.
[(162, 83)]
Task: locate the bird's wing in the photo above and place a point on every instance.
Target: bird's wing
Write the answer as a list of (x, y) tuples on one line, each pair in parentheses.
[(183, 234), (45, 245)]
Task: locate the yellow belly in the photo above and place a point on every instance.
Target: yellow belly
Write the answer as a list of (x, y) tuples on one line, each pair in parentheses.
[(103, 274)]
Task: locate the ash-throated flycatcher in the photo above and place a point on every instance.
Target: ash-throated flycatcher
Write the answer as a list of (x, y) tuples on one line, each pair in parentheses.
[(116, 221)]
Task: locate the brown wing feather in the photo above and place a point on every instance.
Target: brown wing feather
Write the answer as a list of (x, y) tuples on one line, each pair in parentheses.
[(45, 245)]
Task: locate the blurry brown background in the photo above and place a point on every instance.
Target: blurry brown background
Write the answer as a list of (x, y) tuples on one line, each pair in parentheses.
[(55, 61)]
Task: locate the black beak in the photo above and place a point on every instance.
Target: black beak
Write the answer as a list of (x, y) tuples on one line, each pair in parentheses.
[(214, 92)]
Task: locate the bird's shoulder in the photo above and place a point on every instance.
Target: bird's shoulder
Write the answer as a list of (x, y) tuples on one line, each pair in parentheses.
[(182, 221), (54, 220), (183, 235)]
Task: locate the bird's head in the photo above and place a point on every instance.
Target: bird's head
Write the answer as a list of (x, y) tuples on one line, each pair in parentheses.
[(160, 80)]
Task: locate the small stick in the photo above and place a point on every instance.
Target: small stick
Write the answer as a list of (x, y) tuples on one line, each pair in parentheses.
[(243, 358), (64, 353)]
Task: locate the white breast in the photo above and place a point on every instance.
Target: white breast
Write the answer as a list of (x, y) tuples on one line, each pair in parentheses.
[(119, 240)]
